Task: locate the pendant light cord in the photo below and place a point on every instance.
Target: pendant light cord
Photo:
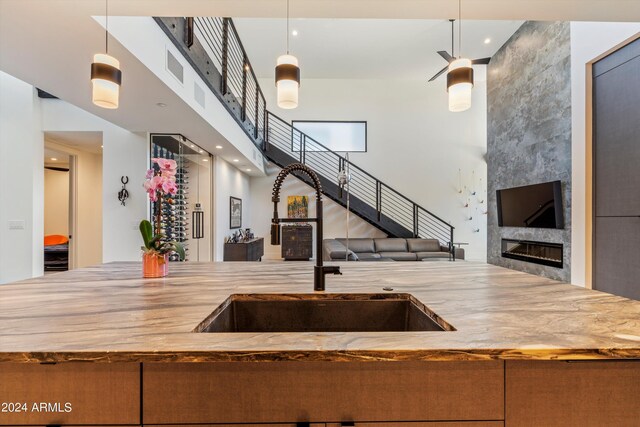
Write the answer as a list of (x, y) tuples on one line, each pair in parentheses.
[(460, 28), (287, 27), (452, 38), (106, 28)]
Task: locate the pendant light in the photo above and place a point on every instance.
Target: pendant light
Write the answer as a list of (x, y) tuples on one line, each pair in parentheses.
[(287, 76), (459, 77), (106, 76)]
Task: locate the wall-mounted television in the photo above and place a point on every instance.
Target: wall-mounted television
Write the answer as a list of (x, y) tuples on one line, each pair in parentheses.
[(533, 206)]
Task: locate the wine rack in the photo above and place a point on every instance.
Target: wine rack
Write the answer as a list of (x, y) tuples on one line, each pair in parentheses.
[(175, 210)]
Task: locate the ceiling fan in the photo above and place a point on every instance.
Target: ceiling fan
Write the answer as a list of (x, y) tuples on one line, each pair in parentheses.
[(451, 58)]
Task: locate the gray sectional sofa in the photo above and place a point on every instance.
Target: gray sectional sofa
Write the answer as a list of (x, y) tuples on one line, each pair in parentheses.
[(366, 249)]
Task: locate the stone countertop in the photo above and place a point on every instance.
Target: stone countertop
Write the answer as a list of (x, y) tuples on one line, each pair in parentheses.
[(108, 313)]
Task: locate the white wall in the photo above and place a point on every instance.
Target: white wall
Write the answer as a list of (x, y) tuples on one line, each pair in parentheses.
[(56, 202), (229, 181), (335, 216), (588, 41), (22, 178), (124, 154), (415, 144)]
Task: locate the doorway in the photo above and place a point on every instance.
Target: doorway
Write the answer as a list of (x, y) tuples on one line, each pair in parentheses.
[(56, 210), (73, 199)]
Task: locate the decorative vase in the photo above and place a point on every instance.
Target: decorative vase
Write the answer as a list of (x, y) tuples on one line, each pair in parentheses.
[(154, 265)]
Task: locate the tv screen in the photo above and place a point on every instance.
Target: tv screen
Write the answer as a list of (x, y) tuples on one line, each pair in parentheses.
[(534, 206)]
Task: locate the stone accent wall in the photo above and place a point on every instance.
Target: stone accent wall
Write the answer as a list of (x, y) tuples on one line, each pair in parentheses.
[(529, 132)]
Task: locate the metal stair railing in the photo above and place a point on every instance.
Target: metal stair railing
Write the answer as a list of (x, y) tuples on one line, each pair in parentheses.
[(386, 201), (214, 49)]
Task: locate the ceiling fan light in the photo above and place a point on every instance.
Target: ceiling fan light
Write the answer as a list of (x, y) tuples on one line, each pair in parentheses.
[(106, 78), (287, 81), (459, 84)]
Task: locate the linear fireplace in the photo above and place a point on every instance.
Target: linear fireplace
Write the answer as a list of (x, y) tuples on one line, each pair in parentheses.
[(535, 252)]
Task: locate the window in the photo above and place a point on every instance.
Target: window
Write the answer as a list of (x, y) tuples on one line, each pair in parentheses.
[(334, 135)]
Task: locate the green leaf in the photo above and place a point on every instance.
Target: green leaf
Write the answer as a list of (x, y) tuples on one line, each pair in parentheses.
[(147, 233), (179, 250)]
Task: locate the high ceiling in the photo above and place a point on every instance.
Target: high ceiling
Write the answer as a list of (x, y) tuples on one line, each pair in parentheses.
[(50, 43), (542, 10), (367, 48)]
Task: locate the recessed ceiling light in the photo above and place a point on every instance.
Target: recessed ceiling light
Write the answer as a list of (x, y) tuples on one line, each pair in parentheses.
[(487, 40), (294, 33), (248, 170), (219, 147), (161, 104), (192, 145), (102, 146), (236, 160), (205, 160), (53, 159), (246, 67)]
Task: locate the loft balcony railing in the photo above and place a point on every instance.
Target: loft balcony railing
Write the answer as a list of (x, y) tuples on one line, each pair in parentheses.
[(214, 49)]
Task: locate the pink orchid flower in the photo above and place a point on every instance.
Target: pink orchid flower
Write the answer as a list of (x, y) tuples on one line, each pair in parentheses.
[(167, 165), (169, 187)]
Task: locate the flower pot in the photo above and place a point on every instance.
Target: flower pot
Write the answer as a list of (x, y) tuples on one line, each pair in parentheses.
[(155, 265)]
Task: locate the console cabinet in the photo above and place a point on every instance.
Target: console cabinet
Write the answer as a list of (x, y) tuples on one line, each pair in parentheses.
[(251, 250), (297, 242)]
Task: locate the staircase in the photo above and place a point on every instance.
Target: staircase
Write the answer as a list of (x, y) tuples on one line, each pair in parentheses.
[(212, 46)]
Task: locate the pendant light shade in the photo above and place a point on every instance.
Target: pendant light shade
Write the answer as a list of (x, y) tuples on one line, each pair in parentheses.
[(459, 84), (287, 81), (106, 78), (287, 77)]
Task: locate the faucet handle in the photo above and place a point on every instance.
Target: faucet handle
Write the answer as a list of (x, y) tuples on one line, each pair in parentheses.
[(331, 269)]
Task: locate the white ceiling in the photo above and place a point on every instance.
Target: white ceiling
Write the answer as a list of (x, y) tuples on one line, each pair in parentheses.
[(80, 140), (543, 10), (50, 44), (61, 159), (367, 48)]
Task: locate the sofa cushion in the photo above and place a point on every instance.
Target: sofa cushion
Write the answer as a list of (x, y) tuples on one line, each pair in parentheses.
[(368, 256), (334, 250), (399, 256), (391, 245), (359, 245), (423, 245), (432, 255)]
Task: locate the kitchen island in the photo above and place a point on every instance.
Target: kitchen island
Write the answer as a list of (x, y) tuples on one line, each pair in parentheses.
[(524, 350)]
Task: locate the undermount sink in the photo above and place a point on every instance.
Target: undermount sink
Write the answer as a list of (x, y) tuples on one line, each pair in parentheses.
[(393, 312)]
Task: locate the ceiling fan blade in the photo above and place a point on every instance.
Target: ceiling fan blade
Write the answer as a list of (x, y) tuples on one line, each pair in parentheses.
[(481, 61), (446, 56), (439, 74)]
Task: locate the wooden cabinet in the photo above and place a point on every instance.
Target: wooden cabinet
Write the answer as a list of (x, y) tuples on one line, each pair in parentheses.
[(70, 393), (253, 250), (572, 394), (246, 392), (426, 424), (238, 425), (297, 242)]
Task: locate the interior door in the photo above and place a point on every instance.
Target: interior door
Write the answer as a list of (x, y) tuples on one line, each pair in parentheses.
[(616, 171)]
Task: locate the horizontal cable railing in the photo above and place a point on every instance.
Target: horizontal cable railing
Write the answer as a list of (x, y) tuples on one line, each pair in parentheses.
[(212, 45), (366, 188)]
